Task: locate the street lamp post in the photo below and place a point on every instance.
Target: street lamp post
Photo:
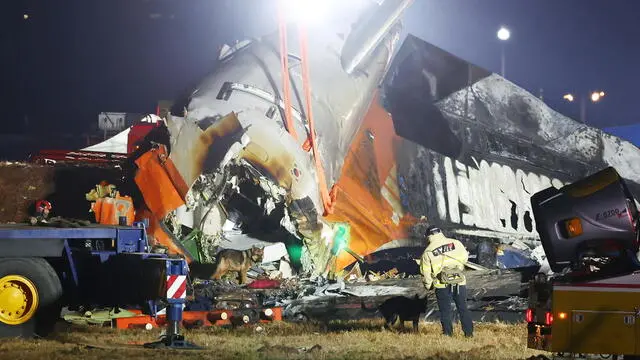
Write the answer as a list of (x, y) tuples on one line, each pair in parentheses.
[(594, 97), (503, 35)]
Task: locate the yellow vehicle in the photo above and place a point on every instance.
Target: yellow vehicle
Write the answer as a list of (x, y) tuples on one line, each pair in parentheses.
[(591, 305)]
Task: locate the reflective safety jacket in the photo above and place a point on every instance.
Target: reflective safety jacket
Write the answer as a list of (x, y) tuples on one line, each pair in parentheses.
[(442, 252)]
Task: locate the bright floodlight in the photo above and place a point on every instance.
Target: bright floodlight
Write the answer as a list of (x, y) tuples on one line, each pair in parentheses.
[(596, 96), (25, 16), (504, 34), (305, 12), (568, 97)]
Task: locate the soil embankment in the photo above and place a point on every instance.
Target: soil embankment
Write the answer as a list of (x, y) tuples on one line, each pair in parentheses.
[(65, 186)]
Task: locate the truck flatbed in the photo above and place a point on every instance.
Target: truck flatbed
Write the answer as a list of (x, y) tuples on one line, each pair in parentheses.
[(50, 241), (22, 231), (45, 267)]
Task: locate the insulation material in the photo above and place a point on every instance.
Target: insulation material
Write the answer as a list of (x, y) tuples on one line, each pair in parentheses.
[(275, 252), (284, 269)]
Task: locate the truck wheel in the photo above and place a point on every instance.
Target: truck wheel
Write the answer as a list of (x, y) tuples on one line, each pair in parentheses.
[(30, 297)]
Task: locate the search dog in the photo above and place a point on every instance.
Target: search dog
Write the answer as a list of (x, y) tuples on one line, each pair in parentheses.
[(403, 308), (239, 261)]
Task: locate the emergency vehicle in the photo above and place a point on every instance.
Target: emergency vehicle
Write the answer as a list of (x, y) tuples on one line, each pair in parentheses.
[(591, 304)]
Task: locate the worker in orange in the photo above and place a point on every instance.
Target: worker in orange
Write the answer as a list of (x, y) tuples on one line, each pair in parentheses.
[(442, 267)]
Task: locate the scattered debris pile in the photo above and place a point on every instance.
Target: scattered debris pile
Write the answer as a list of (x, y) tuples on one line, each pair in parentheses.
[(494, 294), (225, 294)]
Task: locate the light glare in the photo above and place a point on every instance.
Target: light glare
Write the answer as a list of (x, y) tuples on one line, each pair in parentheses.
[(568, 97), (597, 96), (306, 12), (504, 34)]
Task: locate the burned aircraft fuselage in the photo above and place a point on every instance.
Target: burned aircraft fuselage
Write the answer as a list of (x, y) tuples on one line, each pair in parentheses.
[(462, 148), (427, 138), (234, 130)]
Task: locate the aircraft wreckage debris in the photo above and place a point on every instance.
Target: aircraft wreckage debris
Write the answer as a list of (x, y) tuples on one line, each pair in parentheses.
[(493, 295)]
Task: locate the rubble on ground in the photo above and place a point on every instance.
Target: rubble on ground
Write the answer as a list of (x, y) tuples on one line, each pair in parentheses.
[(492, 293), (489, 291)]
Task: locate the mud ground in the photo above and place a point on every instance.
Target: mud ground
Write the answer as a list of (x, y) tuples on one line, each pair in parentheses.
[(338, 340)]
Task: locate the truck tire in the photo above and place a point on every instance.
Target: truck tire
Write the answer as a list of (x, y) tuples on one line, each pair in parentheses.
[(30, 297)]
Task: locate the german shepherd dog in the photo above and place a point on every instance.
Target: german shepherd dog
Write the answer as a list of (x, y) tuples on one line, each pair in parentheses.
[(404, 308), (236, 260)]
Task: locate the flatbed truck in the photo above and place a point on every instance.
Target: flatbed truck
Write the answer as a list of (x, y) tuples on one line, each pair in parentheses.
[(45, 268)]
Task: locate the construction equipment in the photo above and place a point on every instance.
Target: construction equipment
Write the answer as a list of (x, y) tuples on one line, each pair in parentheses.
[(44, 268), (176, 291), (589, 231)]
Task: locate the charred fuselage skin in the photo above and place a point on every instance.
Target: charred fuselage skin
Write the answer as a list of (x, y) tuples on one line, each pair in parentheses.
[(464, 149), (236, 115)]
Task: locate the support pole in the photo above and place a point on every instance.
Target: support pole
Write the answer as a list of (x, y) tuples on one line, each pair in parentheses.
[(177, 271), (504, 61)]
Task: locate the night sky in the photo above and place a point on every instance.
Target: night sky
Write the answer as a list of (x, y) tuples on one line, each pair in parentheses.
[(72, 59)]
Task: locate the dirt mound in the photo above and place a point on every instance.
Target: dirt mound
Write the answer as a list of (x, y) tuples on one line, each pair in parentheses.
[(65, 186)]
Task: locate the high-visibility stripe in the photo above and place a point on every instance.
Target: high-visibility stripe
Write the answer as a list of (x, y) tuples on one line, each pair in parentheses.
[(170, 280), (176, 286), (599, 288), (610, 285)]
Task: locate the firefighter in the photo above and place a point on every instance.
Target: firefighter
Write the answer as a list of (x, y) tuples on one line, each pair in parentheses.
[(442, 268), (42, 211)]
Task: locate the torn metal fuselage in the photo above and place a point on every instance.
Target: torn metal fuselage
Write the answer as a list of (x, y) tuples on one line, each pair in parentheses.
[(232, 146)]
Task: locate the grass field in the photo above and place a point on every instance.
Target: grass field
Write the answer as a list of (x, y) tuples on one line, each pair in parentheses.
[(344, 340)]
